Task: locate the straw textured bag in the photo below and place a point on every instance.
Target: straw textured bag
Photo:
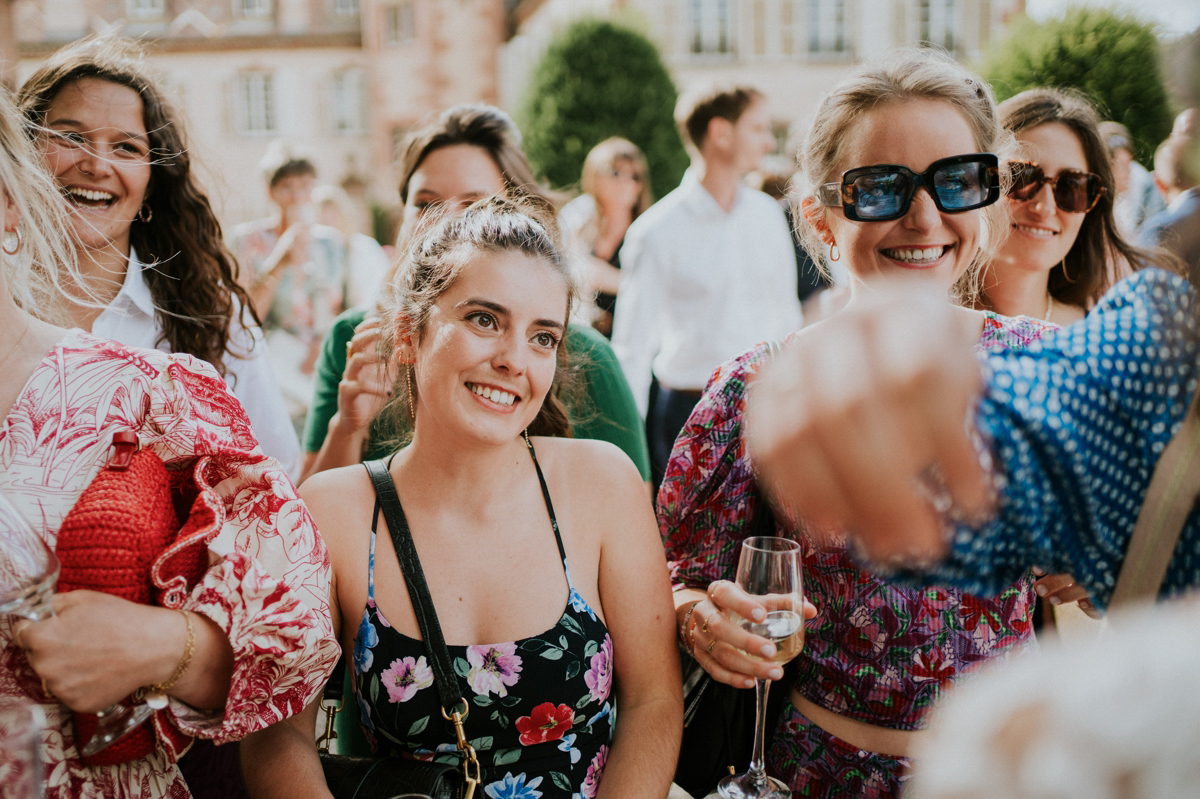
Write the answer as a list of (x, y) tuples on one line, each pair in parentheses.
[(138, 531)]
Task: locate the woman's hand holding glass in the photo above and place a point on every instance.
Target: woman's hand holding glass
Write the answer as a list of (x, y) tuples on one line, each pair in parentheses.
[(727, 650)]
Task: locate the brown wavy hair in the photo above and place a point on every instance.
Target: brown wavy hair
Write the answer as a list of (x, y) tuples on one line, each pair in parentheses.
[(1089, 268), (193, 280)]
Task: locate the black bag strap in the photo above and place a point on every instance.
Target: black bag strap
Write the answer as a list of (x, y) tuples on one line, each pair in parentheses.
[(418, 589)]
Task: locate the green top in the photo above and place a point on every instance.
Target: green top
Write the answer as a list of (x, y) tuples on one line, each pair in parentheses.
[(604, 408)]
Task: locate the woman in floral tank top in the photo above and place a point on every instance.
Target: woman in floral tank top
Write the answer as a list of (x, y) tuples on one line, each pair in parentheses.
[(540, 551)]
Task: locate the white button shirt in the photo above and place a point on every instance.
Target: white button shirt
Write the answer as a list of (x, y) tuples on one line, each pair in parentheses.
[(130, 320), (700, 285)]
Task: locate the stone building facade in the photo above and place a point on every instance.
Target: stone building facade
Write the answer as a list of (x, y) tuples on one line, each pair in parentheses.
[(347, 78)]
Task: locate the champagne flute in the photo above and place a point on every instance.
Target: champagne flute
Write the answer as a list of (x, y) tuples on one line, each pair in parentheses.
[(21, 727), (28, 573), (769, 570)]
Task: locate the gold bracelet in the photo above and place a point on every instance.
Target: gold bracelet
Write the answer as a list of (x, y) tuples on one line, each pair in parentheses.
[(683, 629), (156, 695)]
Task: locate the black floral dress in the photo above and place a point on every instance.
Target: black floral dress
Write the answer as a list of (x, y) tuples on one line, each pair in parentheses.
[(541, 715)]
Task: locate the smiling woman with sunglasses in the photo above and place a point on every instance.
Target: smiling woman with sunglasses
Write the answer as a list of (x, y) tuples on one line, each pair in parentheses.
[(1063, 250), (899, 176)]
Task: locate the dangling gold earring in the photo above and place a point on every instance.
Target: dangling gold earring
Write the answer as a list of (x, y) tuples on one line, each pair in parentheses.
[(525, 435), (145, 213), (834, 253), (16, 232), (412, 407)]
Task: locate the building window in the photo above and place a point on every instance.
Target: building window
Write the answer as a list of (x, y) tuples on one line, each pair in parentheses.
[(787, 27), (142, 9), (937, 21), (349, 101), (712, 26), (345, 8), (252, 8), (826, 26), (399, 23), (255, 103)]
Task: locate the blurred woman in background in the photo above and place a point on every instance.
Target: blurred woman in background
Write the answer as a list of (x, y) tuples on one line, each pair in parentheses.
[(1063, 249), (468, 152), (616, 191)]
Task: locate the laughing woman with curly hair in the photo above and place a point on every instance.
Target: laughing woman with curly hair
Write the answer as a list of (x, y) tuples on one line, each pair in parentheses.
[(155, 271)]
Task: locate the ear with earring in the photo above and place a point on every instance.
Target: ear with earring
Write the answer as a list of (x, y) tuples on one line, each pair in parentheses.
[(408, 362), (814, 215), (409, 368), (15, 233)]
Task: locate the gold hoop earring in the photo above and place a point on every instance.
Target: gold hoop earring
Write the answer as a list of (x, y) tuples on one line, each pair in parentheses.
[(145, 213), (1066, 276), (412, 407), (16, 232), (834, 253)]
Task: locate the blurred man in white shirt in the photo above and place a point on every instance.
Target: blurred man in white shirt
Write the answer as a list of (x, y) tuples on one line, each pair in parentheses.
[(709, 271)]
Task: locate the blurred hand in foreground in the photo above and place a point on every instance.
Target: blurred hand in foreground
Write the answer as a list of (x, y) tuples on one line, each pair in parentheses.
[(845, 423)]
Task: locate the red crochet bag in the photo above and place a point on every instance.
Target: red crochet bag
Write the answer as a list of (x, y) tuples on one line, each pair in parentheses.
[(139, 531)]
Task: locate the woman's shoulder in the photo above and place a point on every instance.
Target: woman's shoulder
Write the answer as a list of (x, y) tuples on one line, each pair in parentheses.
[(338, 499), (80, 350), (334, 483), (591, 462)]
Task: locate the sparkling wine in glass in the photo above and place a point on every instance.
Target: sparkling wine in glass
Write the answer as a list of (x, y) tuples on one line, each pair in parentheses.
[(769, 570), (28, 573)]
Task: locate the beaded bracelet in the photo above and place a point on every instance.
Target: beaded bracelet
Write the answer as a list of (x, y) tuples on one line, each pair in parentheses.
[(156, 695), (686, 643)]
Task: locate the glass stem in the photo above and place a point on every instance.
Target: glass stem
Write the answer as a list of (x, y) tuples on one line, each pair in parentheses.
[(757, 772)]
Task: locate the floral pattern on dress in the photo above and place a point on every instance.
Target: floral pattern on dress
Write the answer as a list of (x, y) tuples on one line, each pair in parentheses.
[(268, 583), (514, 788), (405, 677), (540, 709), (877, 652), (493, 668)]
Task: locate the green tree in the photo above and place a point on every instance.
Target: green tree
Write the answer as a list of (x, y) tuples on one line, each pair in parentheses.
[(1113, 58), (600, 79)]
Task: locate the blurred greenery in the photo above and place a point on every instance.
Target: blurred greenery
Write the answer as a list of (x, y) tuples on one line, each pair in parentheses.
[(1113, 58), (600, 79)]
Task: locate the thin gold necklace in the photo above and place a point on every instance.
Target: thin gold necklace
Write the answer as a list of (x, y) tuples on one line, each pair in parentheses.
[(13, 348)]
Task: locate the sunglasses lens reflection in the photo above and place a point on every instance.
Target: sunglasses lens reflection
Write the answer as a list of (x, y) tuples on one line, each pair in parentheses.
[(960, 185), (881, 195)]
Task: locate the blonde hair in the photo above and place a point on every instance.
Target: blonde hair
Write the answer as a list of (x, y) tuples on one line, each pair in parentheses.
[(905, 75), (607, 155), (35, 273)]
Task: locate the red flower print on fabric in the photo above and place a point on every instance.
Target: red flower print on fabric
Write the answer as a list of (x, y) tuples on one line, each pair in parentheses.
[(545, 723)]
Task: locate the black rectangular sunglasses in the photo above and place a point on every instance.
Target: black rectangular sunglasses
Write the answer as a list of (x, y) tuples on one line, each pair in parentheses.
[(885, 191)]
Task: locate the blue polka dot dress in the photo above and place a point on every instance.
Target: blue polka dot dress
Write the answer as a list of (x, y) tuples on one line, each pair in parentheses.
[(1077, 422)]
